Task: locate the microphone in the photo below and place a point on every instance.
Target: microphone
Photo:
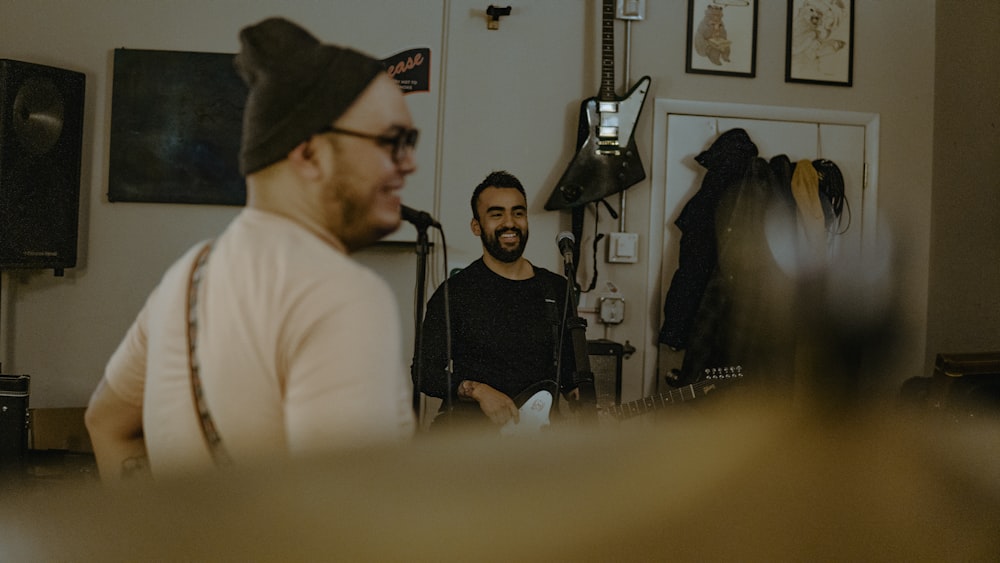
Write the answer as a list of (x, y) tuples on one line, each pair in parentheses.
[(565, 241), (419, 219)]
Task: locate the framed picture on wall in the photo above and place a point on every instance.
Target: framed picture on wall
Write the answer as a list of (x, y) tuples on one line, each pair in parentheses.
[(176, 119), (722, 37), (820, 42)]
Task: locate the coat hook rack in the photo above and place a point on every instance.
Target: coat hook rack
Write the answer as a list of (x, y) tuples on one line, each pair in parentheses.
[(495, 13)]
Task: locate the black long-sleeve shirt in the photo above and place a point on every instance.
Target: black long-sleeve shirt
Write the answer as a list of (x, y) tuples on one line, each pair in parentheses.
[(504, 332)]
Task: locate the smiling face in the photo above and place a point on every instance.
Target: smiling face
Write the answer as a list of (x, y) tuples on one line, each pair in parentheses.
[(502, 223), (360, 202)]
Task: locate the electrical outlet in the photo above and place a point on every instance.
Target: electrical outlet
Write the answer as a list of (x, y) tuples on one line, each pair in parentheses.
[(612, 310)]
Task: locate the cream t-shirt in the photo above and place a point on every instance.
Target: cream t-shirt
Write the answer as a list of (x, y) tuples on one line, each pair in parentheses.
[(299, 347)]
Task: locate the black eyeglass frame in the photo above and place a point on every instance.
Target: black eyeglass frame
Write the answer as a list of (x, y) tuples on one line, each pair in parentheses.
[(402, 140)]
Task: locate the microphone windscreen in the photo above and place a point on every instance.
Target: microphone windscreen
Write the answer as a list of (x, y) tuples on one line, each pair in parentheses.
[(419, 219)]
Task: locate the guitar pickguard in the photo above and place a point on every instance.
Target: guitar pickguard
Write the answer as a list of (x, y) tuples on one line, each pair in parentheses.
[(533, 407), (612, 121)]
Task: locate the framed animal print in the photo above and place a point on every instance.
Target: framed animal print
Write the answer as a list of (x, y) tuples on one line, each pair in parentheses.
[(820, 42), (722, 37)]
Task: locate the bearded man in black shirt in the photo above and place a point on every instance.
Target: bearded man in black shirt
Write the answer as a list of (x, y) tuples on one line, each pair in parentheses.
[(506, 318)]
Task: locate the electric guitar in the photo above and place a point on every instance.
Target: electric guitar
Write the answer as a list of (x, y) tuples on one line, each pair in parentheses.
[(535, 403), (607, 161)]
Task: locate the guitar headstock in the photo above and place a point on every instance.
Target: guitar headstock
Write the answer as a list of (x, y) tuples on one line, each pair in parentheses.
[(726, 372)]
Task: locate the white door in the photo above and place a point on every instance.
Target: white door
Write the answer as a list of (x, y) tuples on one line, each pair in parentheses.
[(682, 130)]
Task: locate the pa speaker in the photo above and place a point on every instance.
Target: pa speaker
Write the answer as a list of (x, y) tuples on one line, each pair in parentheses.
[(41, 136), (14, 391), (606, 364)]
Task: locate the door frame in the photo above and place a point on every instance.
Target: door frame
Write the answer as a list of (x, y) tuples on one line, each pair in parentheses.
[(663, 109)]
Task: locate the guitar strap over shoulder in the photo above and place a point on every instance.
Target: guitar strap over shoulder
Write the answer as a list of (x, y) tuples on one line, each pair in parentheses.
[(553, 315), (553, 302), (212, 438)]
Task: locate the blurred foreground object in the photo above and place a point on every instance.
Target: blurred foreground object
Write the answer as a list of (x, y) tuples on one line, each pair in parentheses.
[(746, 486)]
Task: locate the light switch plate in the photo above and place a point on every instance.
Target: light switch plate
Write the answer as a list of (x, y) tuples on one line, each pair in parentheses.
[(630, 9), (623, 247)]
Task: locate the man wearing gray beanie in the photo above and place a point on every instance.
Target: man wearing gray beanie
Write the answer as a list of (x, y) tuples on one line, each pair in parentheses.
[(271, 341)]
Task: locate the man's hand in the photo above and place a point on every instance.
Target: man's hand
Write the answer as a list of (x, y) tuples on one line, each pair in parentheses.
[(499, 407)]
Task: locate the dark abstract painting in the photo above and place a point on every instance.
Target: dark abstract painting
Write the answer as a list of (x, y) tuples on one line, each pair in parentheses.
[(176, 119)]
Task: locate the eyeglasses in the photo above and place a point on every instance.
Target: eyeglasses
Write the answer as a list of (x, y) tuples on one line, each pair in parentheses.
[(403, 140)]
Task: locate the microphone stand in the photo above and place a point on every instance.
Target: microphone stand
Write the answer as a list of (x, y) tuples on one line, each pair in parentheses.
[(583, 377), (422, 249)]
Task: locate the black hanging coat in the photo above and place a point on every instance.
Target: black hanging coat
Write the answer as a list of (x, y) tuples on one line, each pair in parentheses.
[(726, 160)]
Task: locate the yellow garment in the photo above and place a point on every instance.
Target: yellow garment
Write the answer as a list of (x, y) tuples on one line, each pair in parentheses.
[(805, 190)]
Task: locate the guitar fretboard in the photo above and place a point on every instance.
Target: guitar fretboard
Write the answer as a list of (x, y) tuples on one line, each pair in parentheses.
[(713, 378), (608, 51)]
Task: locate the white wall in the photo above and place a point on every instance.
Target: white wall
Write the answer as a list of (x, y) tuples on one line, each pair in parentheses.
[(509, 99), (61, 330), (963, 313)]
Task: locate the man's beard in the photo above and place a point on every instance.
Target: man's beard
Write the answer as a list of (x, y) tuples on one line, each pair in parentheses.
[(496, 250), (357, 223)]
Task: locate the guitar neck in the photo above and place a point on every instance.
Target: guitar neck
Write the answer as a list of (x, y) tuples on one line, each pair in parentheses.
[(655, 402), (686, 393), (608, 51)]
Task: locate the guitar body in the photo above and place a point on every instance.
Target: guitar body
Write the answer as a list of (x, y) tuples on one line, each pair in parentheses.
[(607, 162), (533, 407)]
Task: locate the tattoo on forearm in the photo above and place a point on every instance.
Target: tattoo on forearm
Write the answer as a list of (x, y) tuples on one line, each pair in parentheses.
[(134, 466), (466, 388)]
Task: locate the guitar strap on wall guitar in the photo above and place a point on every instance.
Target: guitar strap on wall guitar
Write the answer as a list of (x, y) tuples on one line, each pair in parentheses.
[(577, 229), (212, 438)]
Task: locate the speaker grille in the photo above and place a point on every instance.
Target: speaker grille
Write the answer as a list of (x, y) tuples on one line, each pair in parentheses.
[(41, 135), (606, 364)]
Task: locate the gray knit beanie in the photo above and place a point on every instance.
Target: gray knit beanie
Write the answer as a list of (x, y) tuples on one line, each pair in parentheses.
[(297, 86)]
